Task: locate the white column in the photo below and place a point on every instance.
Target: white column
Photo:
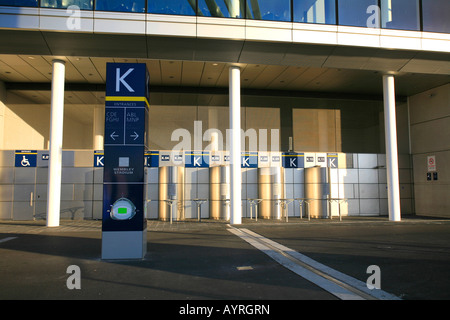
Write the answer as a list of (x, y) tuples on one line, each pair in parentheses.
[(235, 145), (99, 127), (56, 139), (2, 114), (391, 148), (234, 8)]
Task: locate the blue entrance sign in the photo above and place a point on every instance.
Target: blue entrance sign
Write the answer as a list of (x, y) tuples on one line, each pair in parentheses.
[(152, 159), (126, 113), (196, 159), (293, 160), (25, 158), (127, 80), (332, 160), (99, 158), (249, 160)]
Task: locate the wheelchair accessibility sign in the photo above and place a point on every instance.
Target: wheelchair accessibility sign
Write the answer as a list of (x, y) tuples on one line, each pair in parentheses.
[(25, 158)]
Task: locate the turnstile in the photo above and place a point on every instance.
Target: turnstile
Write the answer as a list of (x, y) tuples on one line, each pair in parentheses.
[(219, 192), (316, 190), (171, 193), (270, 190)]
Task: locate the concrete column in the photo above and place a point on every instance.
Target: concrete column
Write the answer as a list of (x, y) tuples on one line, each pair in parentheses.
[(391, 148), (233, 8), (2, 113), (99, 127), (235, 145), (56, 139)]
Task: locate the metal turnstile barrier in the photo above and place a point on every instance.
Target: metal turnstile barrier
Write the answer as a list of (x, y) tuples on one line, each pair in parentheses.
[(199, 203), (219, 192), (284, 203), (171, 192), (339, 201), (307, 210), (270, 191), (254, 205), (316, 190)]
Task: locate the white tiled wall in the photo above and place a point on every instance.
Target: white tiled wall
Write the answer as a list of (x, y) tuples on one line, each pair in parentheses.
[(362, 184)]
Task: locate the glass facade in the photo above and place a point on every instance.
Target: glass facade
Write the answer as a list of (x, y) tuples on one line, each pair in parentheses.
[(315, 11), (176, 7), (63, 4), (219, 8), (19, 3), (400, 14), (355, 12), (120, 5), (435, 15), (279, 10), (417, 15)]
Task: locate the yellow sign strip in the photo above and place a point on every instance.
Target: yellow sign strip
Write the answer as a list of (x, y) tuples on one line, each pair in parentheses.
[(128, 99)]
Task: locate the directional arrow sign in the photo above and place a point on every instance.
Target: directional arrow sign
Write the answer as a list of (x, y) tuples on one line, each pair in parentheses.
[(114, 125), (134, 123), (135, 135), (114, 136)]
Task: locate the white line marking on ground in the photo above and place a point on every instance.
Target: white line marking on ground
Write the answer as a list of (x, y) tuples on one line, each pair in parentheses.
[(340, 285), (7, 239)]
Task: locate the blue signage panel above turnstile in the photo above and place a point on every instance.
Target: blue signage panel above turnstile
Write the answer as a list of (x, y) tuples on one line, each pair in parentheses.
[(196, 159), (332, 160), (99, 158), (293, 160), (249, 160), (151, 159), (205, 159), (25, 158)]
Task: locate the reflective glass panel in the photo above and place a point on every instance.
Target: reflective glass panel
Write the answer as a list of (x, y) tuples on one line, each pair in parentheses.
[(63, 4), (358, 13), (219, 8), (180, 7), (400, 14), (436, 15), (279, 10), (120, 5), (19, 3), (315, 11)]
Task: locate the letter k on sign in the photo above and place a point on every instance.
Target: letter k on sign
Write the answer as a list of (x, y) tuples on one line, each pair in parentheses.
[(121, 79)]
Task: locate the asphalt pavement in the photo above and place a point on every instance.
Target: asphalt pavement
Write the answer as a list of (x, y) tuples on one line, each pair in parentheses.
[(197, 261)]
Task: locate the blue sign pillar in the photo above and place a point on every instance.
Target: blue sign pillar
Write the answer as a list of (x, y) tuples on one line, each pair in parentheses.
[(124, 227)]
